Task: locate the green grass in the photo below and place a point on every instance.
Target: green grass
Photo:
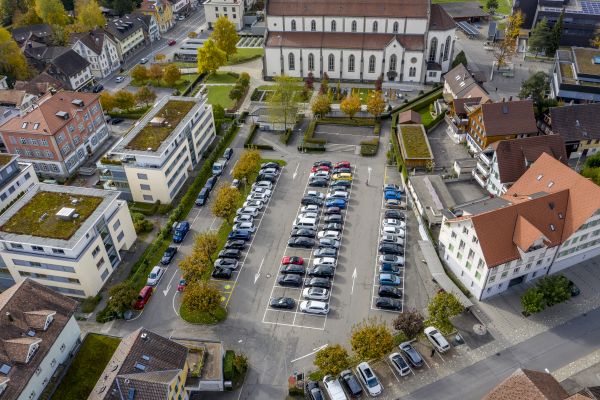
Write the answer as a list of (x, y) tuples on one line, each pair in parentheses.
[(415, 141), (38, 216), (267, 160), (426, 117), (84, 372), (180, 85), (183, 64), (220, 95), (202, 318), (504, 6), (245, 54), (222, 77)]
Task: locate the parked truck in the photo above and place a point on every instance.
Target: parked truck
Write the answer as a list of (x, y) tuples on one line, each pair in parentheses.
[(219, 166)]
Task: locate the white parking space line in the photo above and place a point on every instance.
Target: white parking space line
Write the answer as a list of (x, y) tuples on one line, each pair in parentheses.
[(440, 355), (392, 369), (295, 326)]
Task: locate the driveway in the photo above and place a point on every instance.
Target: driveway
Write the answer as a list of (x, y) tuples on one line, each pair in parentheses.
[(445, 151)]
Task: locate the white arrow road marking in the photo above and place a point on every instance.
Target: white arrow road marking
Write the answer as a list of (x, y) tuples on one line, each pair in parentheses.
[(354, 275), (296, 171), (310, 354), (169, 285), (257, 275)]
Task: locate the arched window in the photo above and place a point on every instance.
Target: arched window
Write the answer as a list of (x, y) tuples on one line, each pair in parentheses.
[(372, 64), (311, 62), (395, 28), (331, 63), (412, 72), (374, 26), (293, 24), (447, 48), (351, 63), (291, 62), (313, 25), (393, 62), (432, 49), (353, 26), (333, 26)]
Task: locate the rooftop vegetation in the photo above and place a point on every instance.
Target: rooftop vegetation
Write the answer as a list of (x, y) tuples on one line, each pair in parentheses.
[(414, 141)]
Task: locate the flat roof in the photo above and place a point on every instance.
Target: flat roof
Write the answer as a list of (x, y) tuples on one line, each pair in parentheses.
[(6, 158), (433, 195), (465, 9), (586, 61), (413, 141)]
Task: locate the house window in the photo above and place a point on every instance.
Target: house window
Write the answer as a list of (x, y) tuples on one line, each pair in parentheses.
[(450, 247), (120, 236), (477, 275), (353, 26), (291, 62), (461, 245), (395, 28), (516, 271), (293, 24), (371, 64), (447, 48), (412, 72), (142, 176), (116, 225), (148, 198), (432, 49), (393, 62), (453, 235), (62, 348), (313, 25), (53, 363), (95, 251), (331, 63), (311, 62), (351, 63), (100, 263), (492, 279), (504, 274), (333, 26), (374, 26)]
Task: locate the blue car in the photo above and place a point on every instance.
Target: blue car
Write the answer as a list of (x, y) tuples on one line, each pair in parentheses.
[(181, 229), (240, 234), (392, 195), (341, 203), (389, 280)]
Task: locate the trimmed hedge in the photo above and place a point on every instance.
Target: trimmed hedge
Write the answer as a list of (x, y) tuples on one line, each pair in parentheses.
[(133, 114), (310, 131), (348, 121), (434, 122), (285, 138), (228, 372), (419, 101), (248, 144), (311, 147), (369, 148)]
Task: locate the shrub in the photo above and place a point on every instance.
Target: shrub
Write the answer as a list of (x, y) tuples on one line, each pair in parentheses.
[(311, 147), (89, 303), (533, 301), (228, 365), (310, 131), (369, 147), (140, 223), (285, 138)]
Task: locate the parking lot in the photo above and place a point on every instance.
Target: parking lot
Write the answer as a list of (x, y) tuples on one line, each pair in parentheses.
[(343, 134)]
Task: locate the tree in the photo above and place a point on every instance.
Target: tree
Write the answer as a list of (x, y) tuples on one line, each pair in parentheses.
[(225, 36), (160, 57), (52, 12), (206, 244), (555, 289), (540, 37), (491, 5), (350, 105), (139, 73), (122, 296), (282, 103), (200, 296), (247, 165), (442, 307), (505, 49), (555, 35), (107, 101), (218, 112), (321, 105), (533, 301), (244, 80), (309, 82), (155, 72), (145, 95), (410, 322), (194, 266), (210, 58), (171, 74), (28, 17), (371, 339), (236, 93), (324, 88), (332, 359), (379, 83), (121, 7), (124, 99), (12, 61), (226, 203), (460, 58), (536, 87), (88, 15), (376, 104)]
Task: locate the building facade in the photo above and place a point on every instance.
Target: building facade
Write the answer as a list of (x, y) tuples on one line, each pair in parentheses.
[(575, 76), (161, 10), (128, 33), (404, 42), (15, 179), (150, 171), (546, 222), (74, 245), (99, 50), (151, 31), (230, 9)]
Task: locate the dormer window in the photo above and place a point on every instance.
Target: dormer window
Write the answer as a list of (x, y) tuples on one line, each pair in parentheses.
[(49, 320), (32, 349)]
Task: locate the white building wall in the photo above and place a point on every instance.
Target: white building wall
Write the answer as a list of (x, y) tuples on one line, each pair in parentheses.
[(21, 183), (441, 37), (409, 57), (334, 73), (296, 71), (339, 24), (416, 26), (274, 23), (401, 25), (360, 26), (367, 74), (214, 9), (347, 74), (370, 25), (317, 61), (580, 246)]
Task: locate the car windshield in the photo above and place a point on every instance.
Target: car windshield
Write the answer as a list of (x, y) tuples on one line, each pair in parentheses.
[(153, 275), (372, 382)]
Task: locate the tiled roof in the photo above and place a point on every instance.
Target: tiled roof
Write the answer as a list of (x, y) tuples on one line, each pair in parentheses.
[(526, 234), (341, 40), (439, 19), (70, 63), (94, 40), (515, 156), (529, 385), (349, 8), (408, 117), (459, 104), (508, 118), (128, 23), (459, 79), (17, 305), (40, 84), (12, 97), (40, 31), (576, 122)]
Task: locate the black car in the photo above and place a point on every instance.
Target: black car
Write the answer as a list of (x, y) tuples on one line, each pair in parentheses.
[(351, 382), (322, 271), (306, 232), (318, 182), (387, 303), (116, 121), (290, 280), (333, 226), (98, 88), (222, 273), (266, 177), (325, 252), (230, 253), (341, 184), (282, 302), (412, 355), (324, 283), (390, 248), (342, 170), (292, 269), (301, 242), (168, 255), (313, 392), (228, 153), (389, 291), (323, 164), (334, 218), (332, 210), (311, 200), (211, 182), (270, 165), (235, 244), (395, 214)]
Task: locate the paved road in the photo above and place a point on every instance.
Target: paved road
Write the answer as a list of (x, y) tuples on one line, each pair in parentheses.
[(552, 349)]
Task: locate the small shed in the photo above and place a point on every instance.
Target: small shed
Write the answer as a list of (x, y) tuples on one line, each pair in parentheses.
[(414, 146), (409, 117)]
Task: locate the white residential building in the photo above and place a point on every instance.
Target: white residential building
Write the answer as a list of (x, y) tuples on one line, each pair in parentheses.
[(67, 238), (547, 221), (99, 50), (405, 41), (231, 9), (150, 170), (15, 179), (151, 30), (39, 334), (128, 32)]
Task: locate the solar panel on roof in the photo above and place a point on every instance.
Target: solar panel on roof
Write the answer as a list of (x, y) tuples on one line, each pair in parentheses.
[(5, 369), (468, 28)]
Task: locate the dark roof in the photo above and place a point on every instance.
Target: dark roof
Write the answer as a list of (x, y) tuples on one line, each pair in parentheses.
[(330, 40), (70, 62), (44, 53), (39, 32), (349, 8), (459, 104), (455, 78), (515, 156), (94, 40), (28, 303), (433, 66), (508, 118), (468, 9), (440, 20), (40, 84), (123, 27), (408, 117), (576, 122), (530, 385)]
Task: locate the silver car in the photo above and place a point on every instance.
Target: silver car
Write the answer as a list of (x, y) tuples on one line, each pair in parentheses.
[(247, 211), (314, 307), (315, 293), (243, 218), (368, 377), (246, 226), (263, 184), (154, 276)]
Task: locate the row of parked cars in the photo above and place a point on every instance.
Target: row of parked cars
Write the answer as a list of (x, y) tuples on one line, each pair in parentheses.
[(204, 194), (319, 224)]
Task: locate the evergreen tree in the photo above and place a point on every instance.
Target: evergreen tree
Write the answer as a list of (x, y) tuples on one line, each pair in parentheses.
[(540, 37), (555, 35)]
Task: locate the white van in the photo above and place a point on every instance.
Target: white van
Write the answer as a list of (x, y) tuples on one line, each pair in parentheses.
[(334, 388), (306, 223)]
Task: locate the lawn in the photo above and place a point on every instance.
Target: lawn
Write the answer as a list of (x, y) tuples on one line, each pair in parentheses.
[(220, 95), (245, 54), (180, 85), (90, 361), (414, 141), (202, 318), (222, 77), (504, 6), (363, 93), (426, 117)]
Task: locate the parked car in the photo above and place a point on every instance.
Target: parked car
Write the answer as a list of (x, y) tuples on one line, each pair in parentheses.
[(369, 379), (263, 184), (267, 177), (222, 273), (333, 387), (292, 260), (253, 196), (258, 204), (341, 170), (270, 164), (306, 200), (228, 263), (181, 285), (389, 280), (286, 303), (306, 232), (312, 208), (392, 230), (144, 60), (202, 196), (269, 170), (235, 184), (391, 259), (313, 392), (412, 355), (351, 382), (342, 164), (323, 162), (211, 182), (155, 276), (239, 235), (98, 88), (344, 176), (393, 239), (333, 226), (322, 271), (228, 153), (290, 280), (387, 303), (316, 168), (246, 226), (119, 79), (325, 252), (338, 194), (394, 222), (262, 190), (437, 339), (230, 253), (389, 291), (392, 195), (301, 242), (324, 261), (171, 42), (340, 203), (314, 307), (329, 242), (391, 249), (389, 268), (319, 174), (143, 297), (399, 364), (315, 293), (168, 255), (235, 244), (318, 182), (394, 214), (318, 282), (314, 193), (341, 185), (253, 211), (332, 211), (292, 269), (391, 186), (243, 218), (329, 234), (395, 204)]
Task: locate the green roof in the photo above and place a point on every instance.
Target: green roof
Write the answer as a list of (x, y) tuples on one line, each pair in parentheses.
[(5, 158), (151, 136), (414, 141), (38, 217)]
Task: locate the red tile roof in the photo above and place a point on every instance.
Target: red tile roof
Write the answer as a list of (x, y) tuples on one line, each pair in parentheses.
[(526, 384), (349, 8), (341, 40)]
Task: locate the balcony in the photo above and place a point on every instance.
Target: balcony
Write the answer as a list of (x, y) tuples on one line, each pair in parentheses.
[(486, 158), (485, 172), (481, 180)]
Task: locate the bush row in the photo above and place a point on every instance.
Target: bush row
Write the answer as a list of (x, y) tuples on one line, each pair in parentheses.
[(311, 147), (348, 121), (310, 131), (248, 144), (434, 122), (420, 100), (133, 114), (369, 147), (287, 135)]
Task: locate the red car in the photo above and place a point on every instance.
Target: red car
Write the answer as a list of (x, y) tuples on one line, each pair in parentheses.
[(292, 260), (342, 164), (320, 168), (143, 297), (171, 42), (181, 286)]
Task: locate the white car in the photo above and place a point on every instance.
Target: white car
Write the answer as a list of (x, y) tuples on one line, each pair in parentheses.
[(310, 208), (258, 196), (315, 293), (253, 211), (392, 239), (314, 193), (394, 222), (154, 276), (399, 363), (338, 194), (262, 190), (254, 203), (333, 387), (263, 184), (319, 174), (329, 234), (314, 307), (392, 230), (247, 226), (437, 339), (243, 218), (312, 215), (119, 79), (370, 380), (324, 261)]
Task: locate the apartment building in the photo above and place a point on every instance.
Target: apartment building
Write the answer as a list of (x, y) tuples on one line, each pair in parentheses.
[(128, 32), (38, 335), (460, 84), (504, 162), (151, 31), (99, 49), (155, 158), (161, 10), (67, 238), (15, 179), (457, 116), (59, 134), (62, 63), (575, 75), (548, 220), (230, 9)]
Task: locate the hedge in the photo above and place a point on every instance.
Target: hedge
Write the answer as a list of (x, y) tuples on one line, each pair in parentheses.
[(133, 114), (192, 85), (285, 138), (434, 122), (348, 121), (228, 372), (311, 147), (248, 143), (369, 147), (310, 131)]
